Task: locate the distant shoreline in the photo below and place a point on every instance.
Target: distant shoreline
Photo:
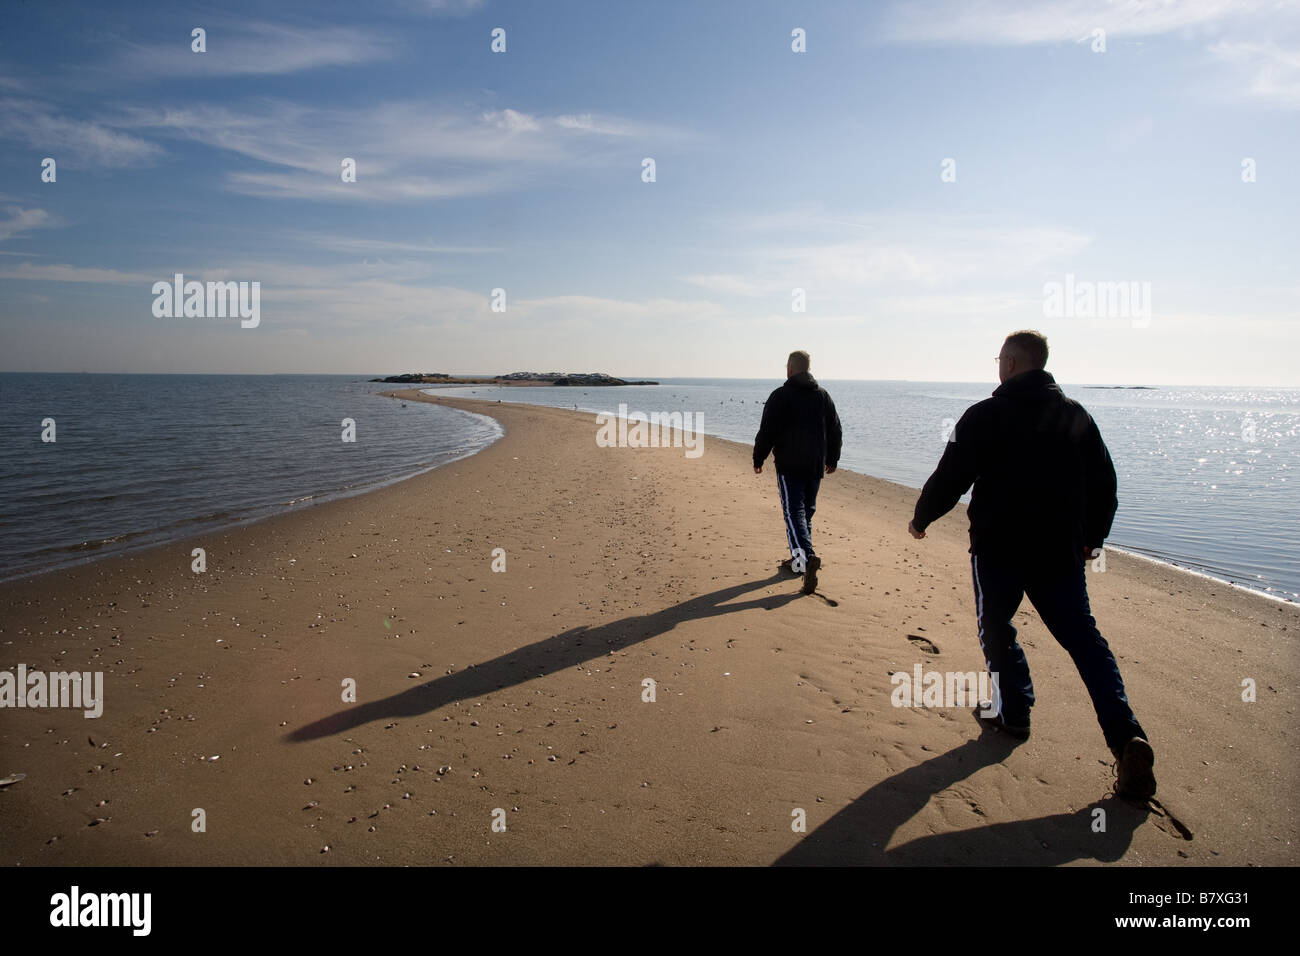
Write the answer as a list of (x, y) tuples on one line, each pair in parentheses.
[(514, 379)]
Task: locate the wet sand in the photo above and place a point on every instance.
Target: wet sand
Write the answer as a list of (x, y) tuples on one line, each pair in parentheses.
[(517, 697)]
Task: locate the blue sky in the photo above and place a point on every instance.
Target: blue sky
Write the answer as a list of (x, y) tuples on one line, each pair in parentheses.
[(775, 170)]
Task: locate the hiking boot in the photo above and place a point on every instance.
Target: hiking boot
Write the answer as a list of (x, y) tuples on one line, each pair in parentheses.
[(1136, 779), (810, 576), (997, 724)]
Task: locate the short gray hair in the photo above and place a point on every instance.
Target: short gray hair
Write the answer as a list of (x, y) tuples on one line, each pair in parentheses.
[(1029, 345)]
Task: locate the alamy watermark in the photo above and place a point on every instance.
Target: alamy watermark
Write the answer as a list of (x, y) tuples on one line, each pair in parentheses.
[(944, 689), (75, 908), (56, 689), (1083, 299), (212, 300), (656, 430)]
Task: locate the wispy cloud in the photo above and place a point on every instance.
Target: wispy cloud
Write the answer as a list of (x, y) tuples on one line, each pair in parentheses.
[(1259, 40), (254, 49), (594, 124), (403, 150), (361, 246), (68, 139), (275, 185), (443, 7), (1021, 22), (70, 273), (22, 220), (941, 255), (1269, 72), (511, 120)]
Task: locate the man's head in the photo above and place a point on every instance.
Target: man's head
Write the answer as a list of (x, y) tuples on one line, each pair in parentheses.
[(1022, 352), (796, 363)]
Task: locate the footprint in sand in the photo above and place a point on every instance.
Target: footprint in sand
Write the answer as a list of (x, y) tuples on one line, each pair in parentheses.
[(924, 643), (1182, 828)]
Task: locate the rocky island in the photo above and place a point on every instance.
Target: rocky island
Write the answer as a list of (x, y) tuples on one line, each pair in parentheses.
[(513, 378)]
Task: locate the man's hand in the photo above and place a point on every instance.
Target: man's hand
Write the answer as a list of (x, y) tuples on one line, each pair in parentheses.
[(758, 469), (830, 469), (911, 529)]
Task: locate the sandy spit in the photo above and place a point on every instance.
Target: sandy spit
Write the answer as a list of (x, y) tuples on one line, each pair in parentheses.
[(500, 717)]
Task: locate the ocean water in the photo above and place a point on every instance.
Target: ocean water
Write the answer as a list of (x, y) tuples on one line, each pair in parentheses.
[(1204, 473), (141, 459)]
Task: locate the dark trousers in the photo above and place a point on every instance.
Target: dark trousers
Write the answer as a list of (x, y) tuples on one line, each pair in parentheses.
[(1059, 592), (798, 502)]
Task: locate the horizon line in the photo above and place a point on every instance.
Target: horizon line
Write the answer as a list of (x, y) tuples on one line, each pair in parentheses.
[(724, 378)]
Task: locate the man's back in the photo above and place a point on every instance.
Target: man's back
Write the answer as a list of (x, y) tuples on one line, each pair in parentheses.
[(1044, 484), (800, 427)]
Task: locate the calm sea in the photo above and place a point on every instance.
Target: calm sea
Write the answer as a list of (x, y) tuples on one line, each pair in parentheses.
[(1203, 472), (141, 459)]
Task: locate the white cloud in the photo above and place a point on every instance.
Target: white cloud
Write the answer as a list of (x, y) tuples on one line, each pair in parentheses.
[(372, 189), (1256, 39), (894, 255), (444, 7), (1269, 72), (254, 49), (395, 146), (75, 140), (361, 246), (511, 120), (69, 273), (1022, 22), (22, 220), (593, 124)]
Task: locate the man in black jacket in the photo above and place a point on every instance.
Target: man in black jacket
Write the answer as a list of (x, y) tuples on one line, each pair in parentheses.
[(1043, 503), (800, 426)]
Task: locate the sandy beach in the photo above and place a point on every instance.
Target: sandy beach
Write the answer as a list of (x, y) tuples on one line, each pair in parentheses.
[(516, 698)]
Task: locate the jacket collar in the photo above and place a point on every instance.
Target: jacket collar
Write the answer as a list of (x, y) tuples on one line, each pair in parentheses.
[(802, 380), (1026, 382)]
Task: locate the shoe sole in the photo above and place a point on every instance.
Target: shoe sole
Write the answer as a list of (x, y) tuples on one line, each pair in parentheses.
[(1136, 771)]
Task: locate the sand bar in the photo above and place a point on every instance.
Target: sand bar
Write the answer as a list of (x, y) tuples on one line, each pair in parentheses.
[(622, 565)]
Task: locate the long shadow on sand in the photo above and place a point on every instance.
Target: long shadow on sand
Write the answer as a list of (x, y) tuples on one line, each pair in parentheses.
[(569, 649), (858, 834)]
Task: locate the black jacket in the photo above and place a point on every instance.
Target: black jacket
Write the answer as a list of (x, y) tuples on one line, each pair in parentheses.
[(1044, 481), (801, 427)]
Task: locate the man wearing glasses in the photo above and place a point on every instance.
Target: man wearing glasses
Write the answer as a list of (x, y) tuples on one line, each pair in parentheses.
[(1043, 503)]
